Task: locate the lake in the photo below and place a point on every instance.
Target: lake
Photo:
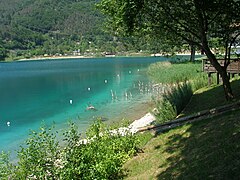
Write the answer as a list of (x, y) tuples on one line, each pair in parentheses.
[(47, 91)]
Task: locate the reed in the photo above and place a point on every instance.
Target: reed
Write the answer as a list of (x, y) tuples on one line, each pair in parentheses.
[(182, 80), (174, 72), (173, 102)]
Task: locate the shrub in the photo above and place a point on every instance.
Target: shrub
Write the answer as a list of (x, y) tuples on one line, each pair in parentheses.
[(6, 168), (37, 159), (101, 157), (165, 111), (173, 102)]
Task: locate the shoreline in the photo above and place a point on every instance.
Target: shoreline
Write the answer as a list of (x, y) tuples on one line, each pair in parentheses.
[(87, 57), (54, 57), (133, 128), (144, 121), (36, 58)]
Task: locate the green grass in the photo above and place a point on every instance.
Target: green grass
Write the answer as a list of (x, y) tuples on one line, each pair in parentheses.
[(202, 150), (209, 149)]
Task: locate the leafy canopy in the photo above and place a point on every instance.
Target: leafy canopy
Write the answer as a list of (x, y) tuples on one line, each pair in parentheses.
[(191, 20)]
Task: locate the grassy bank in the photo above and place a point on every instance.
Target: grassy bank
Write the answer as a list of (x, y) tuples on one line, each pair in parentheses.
[(202, 150), (210, 97)]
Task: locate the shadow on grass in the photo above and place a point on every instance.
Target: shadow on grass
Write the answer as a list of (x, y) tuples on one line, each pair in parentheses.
[(205, 150), (211, 98), (209, 149)]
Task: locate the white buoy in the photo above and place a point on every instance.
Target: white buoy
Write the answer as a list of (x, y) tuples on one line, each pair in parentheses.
[(130, 72), (105, 81), (89, 89), (118, 75), (70, 101), (138, 70), (8, 123)]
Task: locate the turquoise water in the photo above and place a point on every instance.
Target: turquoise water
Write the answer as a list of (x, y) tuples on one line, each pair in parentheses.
[(32, 92)]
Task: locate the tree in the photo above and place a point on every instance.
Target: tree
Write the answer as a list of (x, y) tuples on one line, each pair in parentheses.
[(3, 53), (193, 21)]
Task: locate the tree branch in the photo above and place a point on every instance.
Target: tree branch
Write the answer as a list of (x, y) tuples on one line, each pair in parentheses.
[(190, 41), (167, 12)]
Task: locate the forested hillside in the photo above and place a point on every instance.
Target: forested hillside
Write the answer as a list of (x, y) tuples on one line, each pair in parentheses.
[(49, 26), (31, 28)]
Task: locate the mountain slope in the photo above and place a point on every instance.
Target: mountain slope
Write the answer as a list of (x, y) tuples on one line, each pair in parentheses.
[(30, 24)]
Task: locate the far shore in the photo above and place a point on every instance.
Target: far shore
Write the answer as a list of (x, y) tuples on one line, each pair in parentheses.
[(86, 57), (55, 57)]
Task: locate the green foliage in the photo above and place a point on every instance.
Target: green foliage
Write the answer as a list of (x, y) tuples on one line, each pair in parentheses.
[(166, 111), (6, 168), (30, 25), (179, 96), (179, 72), (3, 53), (173, 102), (100, 156), (37, 160), (200, 81), (169, 20)]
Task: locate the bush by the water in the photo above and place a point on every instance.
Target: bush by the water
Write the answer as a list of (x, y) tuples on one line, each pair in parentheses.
[(173, 102), (43, 157)]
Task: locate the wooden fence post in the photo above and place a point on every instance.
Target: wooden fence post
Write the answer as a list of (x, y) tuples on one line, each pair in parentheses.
[(218, 78), (209, 79)]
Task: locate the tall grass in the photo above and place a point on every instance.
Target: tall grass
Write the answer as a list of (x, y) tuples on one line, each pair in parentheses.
[(174, 72), (183, 80), (173, 102)]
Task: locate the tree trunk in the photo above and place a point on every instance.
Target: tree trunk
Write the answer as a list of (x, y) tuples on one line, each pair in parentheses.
[(226, 84), (223, 73), (193, 49)]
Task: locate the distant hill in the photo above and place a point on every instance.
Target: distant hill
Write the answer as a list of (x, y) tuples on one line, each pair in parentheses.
[(50, 26)]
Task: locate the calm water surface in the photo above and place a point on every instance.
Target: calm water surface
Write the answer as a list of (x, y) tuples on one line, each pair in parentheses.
[(60, 90)]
